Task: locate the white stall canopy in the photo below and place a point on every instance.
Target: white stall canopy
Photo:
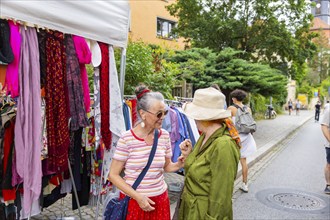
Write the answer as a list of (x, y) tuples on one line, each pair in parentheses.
[(102, 20)]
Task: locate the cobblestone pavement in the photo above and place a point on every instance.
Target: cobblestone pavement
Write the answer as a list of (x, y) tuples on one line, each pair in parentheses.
[(62, 208), (268, 131)]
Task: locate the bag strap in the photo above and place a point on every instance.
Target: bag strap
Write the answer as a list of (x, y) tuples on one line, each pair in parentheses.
[(151, 157), (238, 107)]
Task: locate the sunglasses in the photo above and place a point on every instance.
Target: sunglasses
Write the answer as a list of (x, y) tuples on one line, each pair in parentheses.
[(159, 114)]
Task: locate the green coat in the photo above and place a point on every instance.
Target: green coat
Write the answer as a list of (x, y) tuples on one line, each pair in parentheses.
[(209, 178)]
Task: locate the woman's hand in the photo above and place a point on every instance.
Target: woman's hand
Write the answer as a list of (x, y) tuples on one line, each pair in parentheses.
[(145, 203), (181, 160), (186, 148)]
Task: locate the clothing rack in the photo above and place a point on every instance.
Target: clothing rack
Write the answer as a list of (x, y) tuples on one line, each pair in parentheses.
[(129, 96), (8, 99), (25, 24), (173, 103), (183, 99), (43, 20)]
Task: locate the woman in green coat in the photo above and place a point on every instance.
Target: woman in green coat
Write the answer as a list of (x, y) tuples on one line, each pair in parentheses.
[(211, 167)]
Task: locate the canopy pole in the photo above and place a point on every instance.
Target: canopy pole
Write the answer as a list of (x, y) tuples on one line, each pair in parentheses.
[(122, 71)]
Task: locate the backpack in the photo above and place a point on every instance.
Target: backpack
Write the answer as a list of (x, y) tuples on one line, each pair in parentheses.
[(244, 121)]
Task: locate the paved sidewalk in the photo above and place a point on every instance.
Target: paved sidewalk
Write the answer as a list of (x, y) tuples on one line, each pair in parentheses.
[(269, 134), (273, 131)]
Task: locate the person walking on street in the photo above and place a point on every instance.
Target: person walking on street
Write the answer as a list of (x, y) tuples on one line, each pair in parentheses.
[(325, 127), (317, 111), (298, 106), (290, 106), (150, 199), (248, 143), (211, 167)]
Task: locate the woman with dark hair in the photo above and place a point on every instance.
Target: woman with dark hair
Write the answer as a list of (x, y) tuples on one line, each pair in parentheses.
[(150, 199), (247, 140)]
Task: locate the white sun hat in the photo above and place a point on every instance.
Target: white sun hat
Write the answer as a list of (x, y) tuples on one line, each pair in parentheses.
[(207, 105)]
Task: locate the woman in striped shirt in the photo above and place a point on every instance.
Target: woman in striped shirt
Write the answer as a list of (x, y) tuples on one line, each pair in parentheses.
[(150, 199)]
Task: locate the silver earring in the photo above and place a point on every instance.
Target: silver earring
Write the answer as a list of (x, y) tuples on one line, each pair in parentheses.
[(143, 124)]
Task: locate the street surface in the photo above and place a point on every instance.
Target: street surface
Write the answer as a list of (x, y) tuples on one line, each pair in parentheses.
[(289, 182)]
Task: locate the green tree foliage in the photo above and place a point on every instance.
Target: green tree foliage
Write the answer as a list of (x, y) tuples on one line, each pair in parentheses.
[(203, 67), (272, 31), (146, 64), (195, 64), (164, 79), (90, 73), (325, 85), (319, 62), (305, 88), (138, 65)]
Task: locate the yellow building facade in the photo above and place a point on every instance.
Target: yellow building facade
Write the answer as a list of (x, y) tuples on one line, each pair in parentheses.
[(151, 23)]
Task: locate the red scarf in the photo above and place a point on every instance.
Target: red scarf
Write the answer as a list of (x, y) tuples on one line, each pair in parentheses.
[(105, 96), (57, 110)]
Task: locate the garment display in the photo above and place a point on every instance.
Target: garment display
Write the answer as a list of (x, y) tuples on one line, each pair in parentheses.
[(50, 119), (116, 115), (6, 53), (127, 118), (49, 79), (42, 36), (8, 191), (28, 144), (97, 107), (75, 88), (116, 104), (84, 57), (11, 83), (57, 110), (105, 96)]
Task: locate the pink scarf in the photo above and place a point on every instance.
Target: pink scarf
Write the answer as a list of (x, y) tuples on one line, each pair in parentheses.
[(84, 57)]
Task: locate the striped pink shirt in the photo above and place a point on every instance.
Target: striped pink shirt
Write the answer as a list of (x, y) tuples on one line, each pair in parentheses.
[(135, 152)]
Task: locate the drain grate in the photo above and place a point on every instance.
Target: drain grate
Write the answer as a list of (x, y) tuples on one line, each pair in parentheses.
[(298, 201), (294, 200)]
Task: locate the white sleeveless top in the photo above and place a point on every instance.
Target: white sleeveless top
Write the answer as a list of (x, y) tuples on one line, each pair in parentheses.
[(248, 144)]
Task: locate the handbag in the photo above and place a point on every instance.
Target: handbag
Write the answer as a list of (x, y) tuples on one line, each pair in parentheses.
[(116, 209)]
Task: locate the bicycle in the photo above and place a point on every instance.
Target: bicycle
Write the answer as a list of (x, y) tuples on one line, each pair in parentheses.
[(270, 112)]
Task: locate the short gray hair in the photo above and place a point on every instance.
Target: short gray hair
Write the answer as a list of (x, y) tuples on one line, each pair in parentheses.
[(146, 100)]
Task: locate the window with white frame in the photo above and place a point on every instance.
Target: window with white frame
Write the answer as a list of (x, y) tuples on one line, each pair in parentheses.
[(164, 28)]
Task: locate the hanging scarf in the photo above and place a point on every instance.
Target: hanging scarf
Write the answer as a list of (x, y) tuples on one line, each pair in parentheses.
[(116, 102), (104, 96), (11, 83), (75, 89), (6, 53), (42, 36), (233, 132), (97, 107), (56, 103), (84, 57), (28, 119), (116, 115)]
